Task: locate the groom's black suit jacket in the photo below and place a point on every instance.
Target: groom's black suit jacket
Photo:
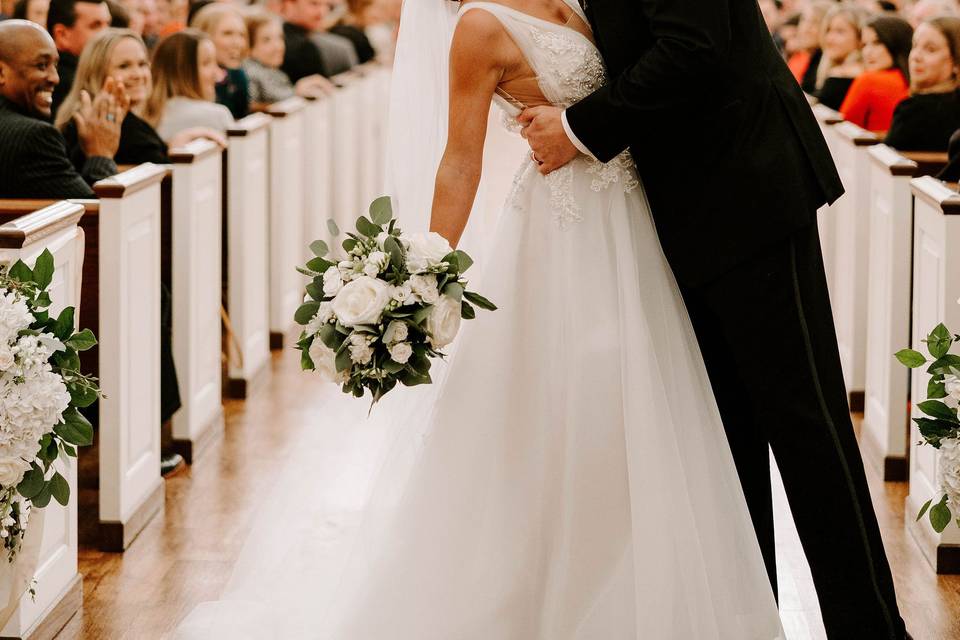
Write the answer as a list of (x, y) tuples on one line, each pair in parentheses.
[(731, 156)]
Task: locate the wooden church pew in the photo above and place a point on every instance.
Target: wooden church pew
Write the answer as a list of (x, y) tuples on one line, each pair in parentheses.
[(246, 218), (49, 552), (936, 283), (287, 245), (197, 197), (121, 488)]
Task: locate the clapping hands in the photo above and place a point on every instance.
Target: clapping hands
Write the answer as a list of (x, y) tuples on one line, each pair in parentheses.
[(313, 87), (99, 119)]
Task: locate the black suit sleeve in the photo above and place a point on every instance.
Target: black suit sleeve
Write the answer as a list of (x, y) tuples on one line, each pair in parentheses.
[(692, 39), (302, 61), (48, 173)]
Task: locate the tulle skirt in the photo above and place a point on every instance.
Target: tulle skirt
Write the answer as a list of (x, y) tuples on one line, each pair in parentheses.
[(568, 477)]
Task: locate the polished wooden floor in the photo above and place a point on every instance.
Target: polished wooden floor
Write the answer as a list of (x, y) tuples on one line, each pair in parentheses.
[(186, 555)]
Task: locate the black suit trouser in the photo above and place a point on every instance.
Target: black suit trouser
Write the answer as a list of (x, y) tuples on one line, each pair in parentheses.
[(767, 335)]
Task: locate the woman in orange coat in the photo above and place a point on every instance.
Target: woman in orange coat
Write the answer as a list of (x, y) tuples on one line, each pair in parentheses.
[(875, 94)]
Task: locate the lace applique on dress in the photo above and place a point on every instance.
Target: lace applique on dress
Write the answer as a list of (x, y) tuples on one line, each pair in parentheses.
[(576, 65), (566, 211), (619, 170)]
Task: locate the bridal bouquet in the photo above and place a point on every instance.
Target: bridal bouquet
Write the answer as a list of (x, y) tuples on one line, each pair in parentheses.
[(941, 427), (41, 390), (379, 314)]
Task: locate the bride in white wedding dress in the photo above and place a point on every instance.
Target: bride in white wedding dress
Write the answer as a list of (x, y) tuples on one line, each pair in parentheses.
[(570, 477)]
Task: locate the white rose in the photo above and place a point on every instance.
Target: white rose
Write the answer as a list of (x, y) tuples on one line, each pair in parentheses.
[(948, 470), (6, 357), (401, 352), (371, 270), (952, 385), (396, 332), (361, 301), (425, 288), (11, 471), (361, 353), (443, 323), (332, 281), (427, 250), (325, 362)]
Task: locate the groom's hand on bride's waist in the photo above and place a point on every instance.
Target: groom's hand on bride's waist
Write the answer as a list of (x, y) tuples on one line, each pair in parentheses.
[(543, 129)]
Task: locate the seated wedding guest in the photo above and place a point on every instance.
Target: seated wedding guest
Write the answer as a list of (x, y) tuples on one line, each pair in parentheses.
[(336, 52), (119, 16), (33, 10), (382, 21), (786, 40), (351, 26), (185, 76), (33, 156), (72, 23), (151, 23), (874, 95), (6, 9), (268, 84), (923, 10), (121, 55), (171, 16), (926, 120), (136, 15), (805, 60), (951, 173), (226, 28), (302, 57), (841, 61)]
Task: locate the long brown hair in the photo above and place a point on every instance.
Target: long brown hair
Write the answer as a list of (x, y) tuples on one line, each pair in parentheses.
[(949, 26), (92, 70), (176, 71)]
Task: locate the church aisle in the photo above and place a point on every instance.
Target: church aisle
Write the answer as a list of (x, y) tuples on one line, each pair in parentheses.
[(187, 555)]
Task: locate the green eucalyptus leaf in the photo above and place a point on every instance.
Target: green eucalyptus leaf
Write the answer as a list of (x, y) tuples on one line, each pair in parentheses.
[(467, 312), (332, 228), (32, 483), (478, 300), (59, 489), (939, 341), (305, 312), (381, 211), (76, 429), (43, 270), (464, 261), (349, 244), (392, 246), (367, 228), (343, 360), (330, 337), (940, 516), (82, 341), (924, 508), (319, 248), (454, 290), (938, 410), (318, 265), (21, 272), (314, 291), (306, 362), (911, 358), (421, 314)]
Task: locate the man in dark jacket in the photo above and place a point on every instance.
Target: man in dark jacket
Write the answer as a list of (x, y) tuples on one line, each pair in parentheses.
[(72, 23), (735, 169), (301, 18), (33, 156)]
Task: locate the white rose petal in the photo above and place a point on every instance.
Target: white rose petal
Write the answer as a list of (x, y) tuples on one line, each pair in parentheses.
[(6, 358), (401, 352), (371, 270), (332, 281), (397, 331), (443, 323), (426, 251), (948, 470), (361, 354), (424, 287), (361, 301), (401, 293), (325, 362)]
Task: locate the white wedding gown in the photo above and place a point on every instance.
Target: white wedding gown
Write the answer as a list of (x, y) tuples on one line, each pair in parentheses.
[(568, 479)]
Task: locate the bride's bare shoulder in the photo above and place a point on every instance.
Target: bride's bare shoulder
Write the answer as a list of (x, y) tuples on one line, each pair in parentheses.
[(481, 35)]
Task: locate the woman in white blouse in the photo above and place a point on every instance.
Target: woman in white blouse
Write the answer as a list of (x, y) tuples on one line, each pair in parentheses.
[(185, 75)]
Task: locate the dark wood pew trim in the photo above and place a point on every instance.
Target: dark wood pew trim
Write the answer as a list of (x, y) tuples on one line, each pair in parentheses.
[(287, 107), (118, 536), (251, 124), (894, 162), (40, 224), (196, 150), (210, 434), (130, 181), (929, 163), (826, 115), (937, 193)]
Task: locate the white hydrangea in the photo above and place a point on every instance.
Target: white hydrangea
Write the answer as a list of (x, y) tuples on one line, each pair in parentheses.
[(948, 471), (14, 315)]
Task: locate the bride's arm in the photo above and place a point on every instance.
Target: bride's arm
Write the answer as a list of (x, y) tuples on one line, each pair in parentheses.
[(475, 71)]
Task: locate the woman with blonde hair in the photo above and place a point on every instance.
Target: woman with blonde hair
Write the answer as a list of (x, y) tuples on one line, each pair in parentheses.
[(841, 61), (805, 59), (228, 31), (120, 54), (185, 76)]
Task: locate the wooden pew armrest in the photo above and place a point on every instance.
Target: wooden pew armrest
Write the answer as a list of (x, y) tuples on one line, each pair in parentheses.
[(40, 224)]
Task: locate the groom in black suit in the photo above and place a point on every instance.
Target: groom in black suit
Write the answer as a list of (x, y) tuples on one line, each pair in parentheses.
[(735, 168)]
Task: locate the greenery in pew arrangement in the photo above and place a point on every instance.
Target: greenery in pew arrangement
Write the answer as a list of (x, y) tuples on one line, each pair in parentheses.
[(41, 392), (940, 426), (379, 315)]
